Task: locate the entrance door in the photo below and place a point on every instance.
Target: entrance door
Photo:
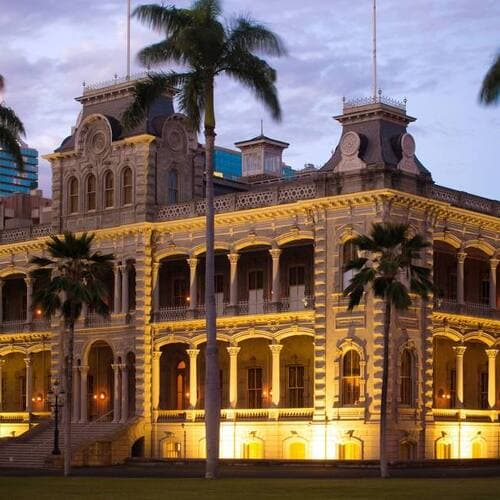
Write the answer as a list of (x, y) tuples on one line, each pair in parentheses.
[(180, 386), (297, 288), (256, 291)]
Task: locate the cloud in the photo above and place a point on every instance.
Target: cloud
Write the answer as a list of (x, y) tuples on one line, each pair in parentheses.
[(434, 53)]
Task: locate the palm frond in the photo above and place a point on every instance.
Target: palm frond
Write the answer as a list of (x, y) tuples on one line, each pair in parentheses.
[(11, 121), (163, 19), (9, 142), (163, 52), (490, 89)]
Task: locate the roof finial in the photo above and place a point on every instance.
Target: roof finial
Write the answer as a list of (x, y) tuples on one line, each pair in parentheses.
[(374, 50)]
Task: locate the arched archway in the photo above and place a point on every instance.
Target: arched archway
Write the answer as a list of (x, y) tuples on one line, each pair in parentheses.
[(174, 377), (100, 390)]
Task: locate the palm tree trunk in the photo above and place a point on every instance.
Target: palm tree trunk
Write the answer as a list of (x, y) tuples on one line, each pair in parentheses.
[(212, 397), (69, 399), (384, 472)]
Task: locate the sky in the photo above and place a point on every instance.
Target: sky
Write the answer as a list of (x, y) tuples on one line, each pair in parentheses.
[(432, 52)]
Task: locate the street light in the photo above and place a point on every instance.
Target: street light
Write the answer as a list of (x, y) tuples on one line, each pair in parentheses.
[(56, 404)]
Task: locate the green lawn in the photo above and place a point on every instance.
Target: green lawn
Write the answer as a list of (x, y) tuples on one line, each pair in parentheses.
[(38, 488)]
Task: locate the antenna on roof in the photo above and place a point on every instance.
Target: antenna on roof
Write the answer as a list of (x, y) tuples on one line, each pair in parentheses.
[(374, 50), (261, 127), (128, 39)]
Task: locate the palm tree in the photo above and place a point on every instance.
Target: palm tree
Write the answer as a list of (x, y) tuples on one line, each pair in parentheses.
[(69, 278), (199, 40), (386, 265), (11, 130), (490, 90)]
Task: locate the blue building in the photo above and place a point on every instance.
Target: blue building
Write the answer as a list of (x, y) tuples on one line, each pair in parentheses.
[(12, 180), (228, 164)]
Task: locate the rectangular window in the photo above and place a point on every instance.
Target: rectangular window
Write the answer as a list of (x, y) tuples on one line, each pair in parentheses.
[(254, 383), (483, 390), (296, 386)]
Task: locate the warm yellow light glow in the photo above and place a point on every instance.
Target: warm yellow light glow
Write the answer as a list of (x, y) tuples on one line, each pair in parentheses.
[(102, 396)]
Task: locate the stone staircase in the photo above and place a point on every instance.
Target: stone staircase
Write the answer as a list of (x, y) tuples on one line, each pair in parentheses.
[(34, 448)]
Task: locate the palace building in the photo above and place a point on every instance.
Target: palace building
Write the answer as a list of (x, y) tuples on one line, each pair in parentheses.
[(300, 375)]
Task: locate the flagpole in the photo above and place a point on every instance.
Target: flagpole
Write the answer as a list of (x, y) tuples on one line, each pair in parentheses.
[(374, 50), (128, 39)]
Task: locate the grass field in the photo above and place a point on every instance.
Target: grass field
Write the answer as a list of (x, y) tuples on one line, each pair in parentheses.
[(53, 488)]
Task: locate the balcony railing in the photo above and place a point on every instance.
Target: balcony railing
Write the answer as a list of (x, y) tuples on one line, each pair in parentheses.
[(21, 325), (465, 413), (467, 309), (243, 308), (238, 414)]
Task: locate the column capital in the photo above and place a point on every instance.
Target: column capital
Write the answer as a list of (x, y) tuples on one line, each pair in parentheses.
[(233, 350), (193, 262), (233, 257), (494, 263), (116, 366), (461, 256), (491, 353), (156, 265), (459, 350), (28, 360), (275, 348), (28, 280), (156, 355), (192, 353), (275, 253), (84, 369), (2, 362)]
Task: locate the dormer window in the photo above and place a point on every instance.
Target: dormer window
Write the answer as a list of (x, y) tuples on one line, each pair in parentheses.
[(108, 190), (73, 195), (173, 187), (91, 192)]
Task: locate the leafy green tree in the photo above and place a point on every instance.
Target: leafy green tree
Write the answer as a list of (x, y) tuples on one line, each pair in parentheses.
[(71, 276), (386, 264), (200, 41), (11, 130), (490, 90)]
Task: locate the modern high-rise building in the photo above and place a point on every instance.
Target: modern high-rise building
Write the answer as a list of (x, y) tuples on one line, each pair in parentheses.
[(13, 180)]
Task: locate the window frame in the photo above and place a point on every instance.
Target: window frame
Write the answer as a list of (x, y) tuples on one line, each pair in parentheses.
[(108, 190)]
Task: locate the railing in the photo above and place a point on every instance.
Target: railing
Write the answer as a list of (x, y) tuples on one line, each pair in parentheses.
[(467, 309), (464, 413), (465, 200), (237, 414), (25, 233), (115, 81), (274, 195), (21, 325), (95, 320), (243, 308), (365, 101)]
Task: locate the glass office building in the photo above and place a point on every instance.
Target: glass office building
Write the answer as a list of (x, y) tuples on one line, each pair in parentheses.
[(12, 180)]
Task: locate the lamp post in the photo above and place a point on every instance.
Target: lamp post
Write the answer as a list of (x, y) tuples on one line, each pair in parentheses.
[(57, 396)]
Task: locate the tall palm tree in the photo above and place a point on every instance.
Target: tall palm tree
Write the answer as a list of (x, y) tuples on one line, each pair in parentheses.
[(207, 47), (490, 90), (11, 130), (70, 277), (386, 265)]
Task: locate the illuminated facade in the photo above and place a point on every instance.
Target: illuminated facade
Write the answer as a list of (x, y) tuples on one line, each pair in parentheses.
[(300, 375)]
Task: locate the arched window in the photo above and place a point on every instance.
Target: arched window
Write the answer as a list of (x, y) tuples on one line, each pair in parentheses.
[(180, 385), (350, 450), (173, 187), (349, 252), (407, 450), (73, 195), (351, 377), (109, 188), (443, 449), (478, 448), (406, 378), (127, 186), (253, 449), (91, 192)]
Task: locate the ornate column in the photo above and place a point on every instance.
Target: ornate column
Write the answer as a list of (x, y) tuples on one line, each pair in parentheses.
[(233, 279), (233, 375), (460, 277), (75, 417), (156, 287), (124, 412), (116, 392), (2, 363), (459, 357), (275, 284), (275, 352), (29, 296), (493, 283), (124, 288), (193, 302), (193, 382), (29, 383), (117, 289), (84, 371), (492, 395), (155, 379), (2, 282)]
